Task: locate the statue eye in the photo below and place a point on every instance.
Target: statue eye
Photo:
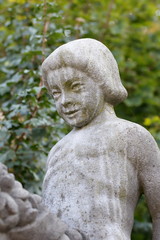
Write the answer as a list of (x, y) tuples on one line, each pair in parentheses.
[(56, 94), (76, 86)]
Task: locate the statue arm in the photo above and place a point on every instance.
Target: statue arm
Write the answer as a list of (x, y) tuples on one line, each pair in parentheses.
[(149, 173)]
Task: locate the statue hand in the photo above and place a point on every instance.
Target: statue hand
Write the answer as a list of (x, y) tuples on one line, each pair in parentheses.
[(73, 234)]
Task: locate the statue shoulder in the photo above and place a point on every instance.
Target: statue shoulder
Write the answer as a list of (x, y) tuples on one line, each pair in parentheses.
[(132, 134), (61, 144), (131, 129), (138, 132), (139, 142)]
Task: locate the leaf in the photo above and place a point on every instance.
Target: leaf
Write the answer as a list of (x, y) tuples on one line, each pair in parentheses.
[(4, 89), (8, 155)]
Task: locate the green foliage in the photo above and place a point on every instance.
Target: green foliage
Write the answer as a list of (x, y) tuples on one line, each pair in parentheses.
[(30, 30)]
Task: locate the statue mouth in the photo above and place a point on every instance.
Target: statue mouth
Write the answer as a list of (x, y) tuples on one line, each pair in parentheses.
[(71, 112)]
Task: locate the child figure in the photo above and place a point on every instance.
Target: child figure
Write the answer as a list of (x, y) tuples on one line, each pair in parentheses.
[(96, 173)]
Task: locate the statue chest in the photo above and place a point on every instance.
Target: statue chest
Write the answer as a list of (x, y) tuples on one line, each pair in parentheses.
[(89, 183)]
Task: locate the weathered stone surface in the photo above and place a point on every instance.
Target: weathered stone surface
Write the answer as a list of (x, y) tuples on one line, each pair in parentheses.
[(3, 236), (46, 227), (22, 215), (96, 173)]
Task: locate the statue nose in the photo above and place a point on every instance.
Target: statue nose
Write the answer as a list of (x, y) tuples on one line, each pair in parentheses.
[(65, 99)]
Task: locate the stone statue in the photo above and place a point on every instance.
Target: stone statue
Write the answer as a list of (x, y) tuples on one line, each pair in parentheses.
[(95, 174)]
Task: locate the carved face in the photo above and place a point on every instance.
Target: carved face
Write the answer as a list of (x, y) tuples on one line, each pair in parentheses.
[(78, 98)]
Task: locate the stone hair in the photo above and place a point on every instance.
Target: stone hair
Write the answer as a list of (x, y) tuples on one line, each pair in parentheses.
[(94, 59)]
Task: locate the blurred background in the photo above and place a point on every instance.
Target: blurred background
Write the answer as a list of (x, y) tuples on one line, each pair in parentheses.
[(30, 31)]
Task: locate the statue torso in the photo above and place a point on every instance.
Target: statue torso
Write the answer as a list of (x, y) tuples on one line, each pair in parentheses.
[(92, 181)]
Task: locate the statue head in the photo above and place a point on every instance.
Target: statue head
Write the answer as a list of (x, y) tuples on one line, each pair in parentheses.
[(91, 57), (82, 76)]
